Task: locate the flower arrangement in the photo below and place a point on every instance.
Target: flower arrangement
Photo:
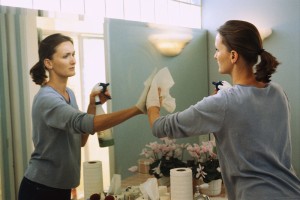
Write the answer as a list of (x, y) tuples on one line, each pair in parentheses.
[(168, 155), (205, 164), (164, 156)]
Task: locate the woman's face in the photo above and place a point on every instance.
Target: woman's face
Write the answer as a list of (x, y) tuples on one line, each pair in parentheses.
[(63, 61), (222, 56)]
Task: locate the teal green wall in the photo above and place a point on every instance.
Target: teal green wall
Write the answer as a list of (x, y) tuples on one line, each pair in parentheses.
[(283, 16), (131, 60)]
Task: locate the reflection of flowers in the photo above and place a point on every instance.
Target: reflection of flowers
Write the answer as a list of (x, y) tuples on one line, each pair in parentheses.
[(168, 155), (200, 172), (205, 164), (165, 157)]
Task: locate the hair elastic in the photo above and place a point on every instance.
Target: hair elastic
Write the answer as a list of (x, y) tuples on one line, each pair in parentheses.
[(261, 51)]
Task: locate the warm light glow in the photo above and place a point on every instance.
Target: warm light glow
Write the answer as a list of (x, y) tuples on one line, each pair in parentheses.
[(264, 33), (170, 44)]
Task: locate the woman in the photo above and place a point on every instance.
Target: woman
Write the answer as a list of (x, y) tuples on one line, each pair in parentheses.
[(59, 128), (250, 121)]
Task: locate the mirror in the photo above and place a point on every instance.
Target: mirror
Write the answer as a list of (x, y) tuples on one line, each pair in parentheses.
[(132, 58)]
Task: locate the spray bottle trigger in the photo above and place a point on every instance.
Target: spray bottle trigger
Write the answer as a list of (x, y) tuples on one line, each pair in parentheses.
[(217, 84), (104, 88)]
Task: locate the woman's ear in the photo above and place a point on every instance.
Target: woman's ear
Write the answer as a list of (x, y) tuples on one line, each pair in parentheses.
[(48, 64), (234, 56)]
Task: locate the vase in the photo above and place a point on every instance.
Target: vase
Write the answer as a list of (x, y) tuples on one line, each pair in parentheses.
[(214, 188), (164, 181)]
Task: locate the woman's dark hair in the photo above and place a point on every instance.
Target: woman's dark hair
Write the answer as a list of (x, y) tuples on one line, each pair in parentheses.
[(244, 38), (47, 48)]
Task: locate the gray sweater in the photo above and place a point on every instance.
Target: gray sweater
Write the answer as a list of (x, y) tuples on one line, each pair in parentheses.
[(57, 129), (252, 130)]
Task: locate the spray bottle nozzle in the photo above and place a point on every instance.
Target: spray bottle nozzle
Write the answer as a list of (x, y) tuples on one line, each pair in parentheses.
[(101, 87), (217, 84), (104, 86)]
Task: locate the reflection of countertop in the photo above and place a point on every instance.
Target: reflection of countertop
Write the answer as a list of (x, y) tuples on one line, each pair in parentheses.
[(139, 178), (136, 179)]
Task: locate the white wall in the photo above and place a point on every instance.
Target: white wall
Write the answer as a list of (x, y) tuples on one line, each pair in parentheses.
[(171, 12)]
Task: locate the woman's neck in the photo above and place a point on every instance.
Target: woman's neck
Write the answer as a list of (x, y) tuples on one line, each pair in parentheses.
[(243, 75), (60, 87)]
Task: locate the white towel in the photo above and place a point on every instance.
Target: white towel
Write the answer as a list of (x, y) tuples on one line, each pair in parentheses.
[(164, 81)]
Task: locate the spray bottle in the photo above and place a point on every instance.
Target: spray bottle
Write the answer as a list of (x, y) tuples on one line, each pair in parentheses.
[(221, 85), (105, 138)]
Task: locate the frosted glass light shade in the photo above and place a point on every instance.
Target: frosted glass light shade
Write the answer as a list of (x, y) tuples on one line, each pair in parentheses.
[(170, 44)]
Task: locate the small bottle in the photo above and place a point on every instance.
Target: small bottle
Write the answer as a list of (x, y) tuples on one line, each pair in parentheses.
[(104, 137), (198, 195)]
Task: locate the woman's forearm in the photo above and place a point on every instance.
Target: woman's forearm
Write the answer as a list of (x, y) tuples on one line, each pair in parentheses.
[(153, 114), (106, 121), (91, 110)]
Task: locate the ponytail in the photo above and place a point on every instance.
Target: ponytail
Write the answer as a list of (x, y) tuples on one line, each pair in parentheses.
[(38, 73), (267, 66)]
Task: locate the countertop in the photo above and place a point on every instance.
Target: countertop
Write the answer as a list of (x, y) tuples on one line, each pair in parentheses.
[(139, 178)]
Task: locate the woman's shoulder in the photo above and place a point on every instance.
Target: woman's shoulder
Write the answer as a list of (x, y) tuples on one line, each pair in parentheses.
[(47, 94), (46, 91), (275, 85)]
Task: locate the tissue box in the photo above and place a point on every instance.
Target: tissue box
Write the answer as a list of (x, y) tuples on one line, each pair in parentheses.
[(144, 166)]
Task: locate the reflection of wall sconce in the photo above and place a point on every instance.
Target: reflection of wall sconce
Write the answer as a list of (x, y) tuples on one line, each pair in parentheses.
[(264, 33), (170, 44)]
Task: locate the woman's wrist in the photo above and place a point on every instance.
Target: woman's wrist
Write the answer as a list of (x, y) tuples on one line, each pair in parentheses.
[(91, 108), (153, 114)]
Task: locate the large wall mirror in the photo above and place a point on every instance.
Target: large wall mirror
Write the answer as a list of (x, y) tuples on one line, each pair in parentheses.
[(95, 63), (15, 81), (131, 58)]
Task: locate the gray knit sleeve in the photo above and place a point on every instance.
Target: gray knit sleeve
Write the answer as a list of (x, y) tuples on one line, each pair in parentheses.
[(58, 114), (204, 117)]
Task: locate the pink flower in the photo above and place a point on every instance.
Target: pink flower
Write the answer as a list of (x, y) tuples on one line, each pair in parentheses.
[(203, 152), (168, 149)]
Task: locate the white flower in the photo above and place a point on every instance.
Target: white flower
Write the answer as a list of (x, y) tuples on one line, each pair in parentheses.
[(156, 170), (200, 172)]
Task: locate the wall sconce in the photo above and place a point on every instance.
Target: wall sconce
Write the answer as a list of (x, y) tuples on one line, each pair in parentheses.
[(170, 44), (264, 33)]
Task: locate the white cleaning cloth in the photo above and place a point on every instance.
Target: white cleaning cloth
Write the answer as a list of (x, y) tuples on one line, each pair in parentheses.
[(141, 104), (164, 81)]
